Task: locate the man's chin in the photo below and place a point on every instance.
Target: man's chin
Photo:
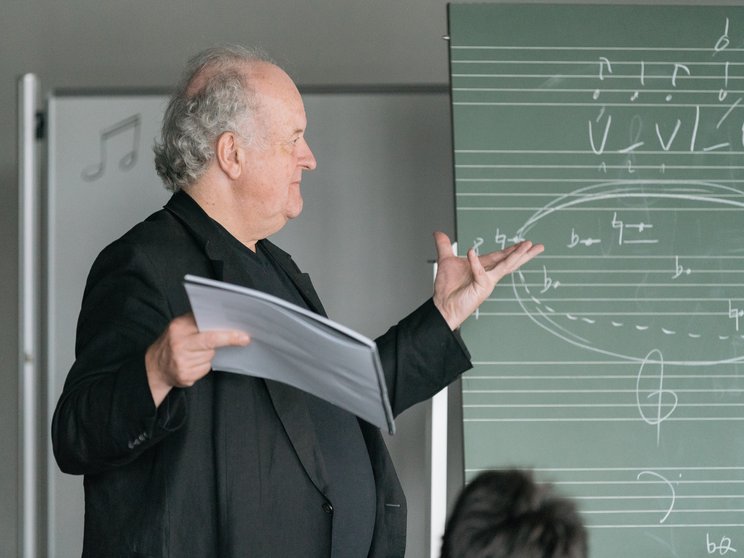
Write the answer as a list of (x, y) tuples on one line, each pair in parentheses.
[(295, 212)]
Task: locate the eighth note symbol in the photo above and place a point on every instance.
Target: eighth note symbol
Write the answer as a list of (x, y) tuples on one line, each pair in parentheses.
[(93, 172)]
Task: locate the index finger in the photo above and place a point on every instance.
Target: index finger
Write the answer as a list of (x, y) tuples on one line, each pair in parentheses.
[(492, 259), (525, 253)]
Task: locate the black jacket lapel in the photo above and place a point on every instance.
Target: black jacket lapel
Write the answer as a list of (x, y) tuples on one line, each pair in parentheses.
[(301, 280), (290, 403)]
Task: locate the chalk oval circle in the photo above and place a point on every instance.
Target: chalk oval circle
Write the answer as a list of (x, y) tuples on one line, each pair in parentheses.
[(636, 266)]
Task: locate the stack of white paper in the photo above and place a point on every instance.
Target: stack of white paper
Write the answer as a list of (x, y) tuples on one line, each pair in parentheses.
[(293, 345)]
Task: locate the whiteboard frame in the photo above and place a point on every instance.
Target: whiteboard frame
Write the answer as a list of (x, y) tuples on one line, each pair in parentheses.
[(437, 449), (28, 301)]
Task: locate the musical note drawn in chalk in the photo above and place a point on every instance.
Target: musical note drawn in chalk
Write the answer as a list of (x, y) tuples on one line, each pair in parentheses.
[(661, 405), (735, 314), (130, 124), (679, 269), (723, 40)]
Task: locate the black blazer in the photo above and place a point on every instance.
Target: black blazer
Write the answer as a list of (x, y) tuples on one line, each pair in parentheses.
[(229, 467)]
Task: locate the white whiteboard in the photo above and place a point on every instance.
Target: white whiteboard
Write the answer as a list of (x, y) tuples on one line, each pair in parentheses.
[(383, 184)]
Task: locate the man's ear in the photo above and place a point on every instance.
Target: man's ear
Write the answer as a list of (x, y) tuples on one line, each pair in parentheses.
[(228, 155)]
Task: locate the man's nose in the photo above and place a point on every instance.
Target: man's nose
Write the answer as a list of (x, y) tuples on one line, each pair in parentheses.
[(307, 159)]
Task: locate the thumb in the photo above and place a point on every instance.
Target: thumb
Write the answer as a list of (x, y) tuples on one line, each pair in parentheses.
[(224, 338)]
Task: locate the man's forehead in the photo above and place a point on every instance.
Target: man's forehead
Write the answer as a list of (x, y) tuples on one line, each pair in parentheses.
[(276, 88)]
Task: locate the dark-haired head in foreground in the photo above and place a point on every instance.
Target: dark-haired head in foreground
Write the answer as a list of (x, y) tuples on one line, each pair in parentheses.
[(506, 514)]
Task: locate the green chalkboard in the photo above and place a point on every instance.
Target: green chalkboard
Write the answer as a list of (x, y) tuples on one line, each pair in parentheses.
[(613, 363)]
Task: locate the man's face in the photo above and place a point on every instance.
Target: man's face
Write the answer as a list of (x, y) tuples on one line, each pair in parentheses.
[(269, 189)]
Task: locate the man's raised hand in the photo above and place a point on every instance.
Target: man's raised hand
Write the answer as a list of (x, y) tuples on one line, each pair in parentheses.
[(462, 284)]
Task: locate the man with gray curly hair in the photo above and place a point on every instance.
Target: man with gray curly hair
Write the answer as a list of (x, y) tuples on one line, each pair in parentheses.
[(184, 461)]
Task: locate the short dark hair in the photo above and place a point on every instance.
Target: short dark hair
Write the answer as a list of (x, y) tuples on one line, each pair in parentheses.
[(506, 514)]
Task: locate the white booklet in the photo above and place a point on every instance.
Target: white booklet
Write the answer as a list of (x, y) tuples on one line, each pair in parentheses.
[(293, 345)]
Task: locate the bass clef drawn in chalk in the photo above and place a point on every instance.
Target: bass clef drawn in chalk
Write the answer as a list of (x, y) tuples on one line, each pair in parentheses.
[(672, 493)]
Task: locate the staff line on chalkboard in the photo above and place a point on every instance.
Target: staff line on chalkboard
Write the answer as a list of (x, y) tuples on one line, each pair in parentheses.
[(596, 377), (593, 180), (615, 63), (689, 497), (649, 49), (577, 104), (467, 380), (648, 497), (589, 90), (625, 271), (602, 419), (607, 79), (637, 257), (591, 405), (594, 167), (667, 526), (657, 525), (613, 313), (614, 208), (633, 285), (583, 152), (593, 209), (553, 363), (602, 377), (611, 391), (600, 406), (580, 377), (626, 469), (660, 511), (701, 197), (608, 299), (636, 482)]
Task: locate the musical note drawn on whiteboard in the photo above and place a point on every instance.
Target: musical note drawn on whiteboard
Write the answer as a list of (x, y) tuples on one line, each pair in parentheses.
[(130, 125)]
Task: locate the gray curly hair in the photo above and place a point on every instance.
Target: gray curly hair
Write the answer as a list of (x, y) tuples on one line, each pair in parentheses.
[(194, 120)]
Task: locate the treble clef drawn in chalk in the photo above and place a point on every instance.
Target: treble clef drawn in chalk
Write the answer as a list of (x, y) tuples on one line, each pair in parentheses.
[(671, 489), (130, 124), (664, 408)]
